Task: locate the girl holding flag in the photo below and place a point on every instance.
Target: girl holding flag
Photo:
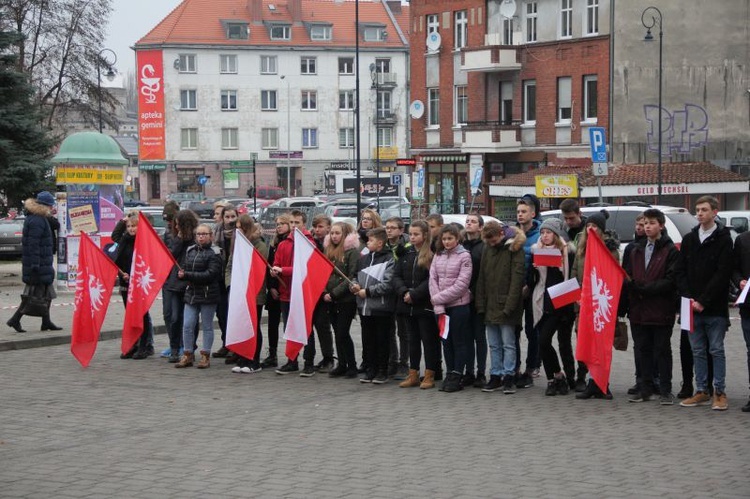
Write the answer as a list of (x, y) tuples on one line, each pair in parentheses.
[(553, 259), (342, 248)]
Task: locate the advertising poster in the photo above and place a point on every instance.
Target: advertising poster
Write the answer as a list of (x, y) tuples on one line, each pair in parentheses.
[(150, 80), (371, 185), (106, 201), (82, 219), (73, 245)]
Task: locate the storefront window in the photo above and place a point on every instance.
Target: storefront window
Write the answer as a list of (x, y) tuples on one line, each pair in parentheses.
[(187, 179)]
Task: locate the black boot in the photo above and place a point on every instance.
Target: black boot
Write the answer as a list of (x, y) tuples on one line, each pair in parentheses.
[(48, 325), (15, 322)]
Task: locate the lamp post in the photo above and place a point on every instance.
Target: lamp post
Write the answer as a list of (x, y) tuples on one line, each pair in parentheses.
[(357, 153), (656, 19), (103, 59), (288, 138), (374, 77)]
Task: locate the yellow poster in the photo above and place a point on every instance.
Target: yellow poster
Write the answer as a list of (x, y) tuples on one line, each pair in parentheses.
[(89, 175), (82, 219), (556, 186)]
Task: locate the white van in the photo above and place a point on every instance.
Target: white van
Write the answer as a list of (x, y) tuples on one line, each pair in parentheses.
[(740, 220)]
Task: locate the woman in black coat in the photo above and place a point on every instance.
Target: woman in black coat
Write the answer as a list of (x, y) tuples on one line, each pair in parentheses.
[(38, 272)]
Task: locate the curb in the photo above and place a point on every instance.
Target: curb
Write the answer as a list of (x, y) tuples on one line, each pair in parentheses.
[(22, 344)]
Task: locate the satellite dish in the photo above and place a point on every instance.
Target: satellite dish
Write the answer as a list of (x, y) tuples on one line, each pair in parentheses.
[(416, 110), (508, 8), (433, 41)]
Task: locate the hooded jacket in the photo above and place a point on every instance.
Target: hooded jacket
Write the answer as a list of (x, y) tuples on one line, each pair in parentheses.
[(284, 258), (178, 247), (37, 246), (410, 277), (375, 276), (501, 279), (450, 275), (476, 248), (202, 266), (337, 286)]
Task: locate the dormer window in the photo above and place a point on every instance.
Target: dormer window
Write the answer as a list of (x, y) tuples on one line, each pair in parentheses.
[(279, 31), (373, 32), (320, 31), (236, 30)]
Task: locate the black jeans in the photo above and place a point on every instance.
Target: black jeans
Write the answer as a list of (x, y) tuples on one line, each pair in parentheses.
[(322, 325), (148, 325), (308, 354), (563, 326), (375, 345), (532, 336), (273, 307), (649, 343), (178, 314), (423, 333), (341, 316), (399, 347), (222, 310), (478, 350), (456, 346)]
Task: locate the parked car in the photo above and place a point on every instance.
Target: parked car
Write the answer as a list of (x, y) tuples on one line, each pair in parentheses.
[(234, 201), (248, 207), (155, 212), (130, 203), (740, 220), (267, 192), (203, 208), (679, 221), (11, 233), (180, 197), (460, 218)]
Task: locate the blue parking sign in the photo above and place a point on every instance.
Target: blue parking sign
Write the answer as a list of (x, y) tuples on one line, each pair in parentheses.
[(598, 145)]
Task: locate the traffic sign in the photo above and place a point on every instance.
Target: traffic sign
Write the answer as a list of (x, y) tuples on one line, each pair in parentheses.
[(600, 169), (420, 178), (598, 145), (397, 178), (202, 179), (246, 162)]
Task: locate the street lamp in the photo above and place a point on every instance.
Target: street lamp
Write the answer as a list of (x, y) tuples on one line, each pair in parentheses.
[(288, 138), (648, 24), (103, 59), (374, 77)]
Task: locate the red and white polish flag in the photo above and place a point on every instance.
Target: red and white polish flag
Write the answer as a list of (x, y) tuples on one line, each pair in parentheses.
[(248, 274), (686, 314), (565, 293), (310, 272), (547, 257), (444, 324)]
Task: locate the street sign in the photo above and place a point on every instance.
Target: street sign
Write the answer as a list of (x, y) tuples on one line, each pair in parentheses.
[(202, 179), (600, 169), (598, 145), (397, 178), (240, 170), (420, 178), (246, 162)]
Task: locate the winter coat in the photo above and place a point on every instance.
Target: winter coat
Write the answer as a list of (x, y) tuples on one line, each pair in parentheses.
[(409, 276), (652, 291), (475, 247), (337, 286), (202, 266), (260, 246), (501, 279), (546, 277), (123, 258), (375, 276), (611, 241), (37, 247), (704, 269), (450, 275), (741, 263), (178, 247), (284, 258), (532, 236)]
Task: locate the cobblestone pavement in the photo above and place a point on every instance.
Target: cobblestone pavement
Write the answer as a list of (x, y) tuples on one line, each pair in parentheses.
[(140, 428)]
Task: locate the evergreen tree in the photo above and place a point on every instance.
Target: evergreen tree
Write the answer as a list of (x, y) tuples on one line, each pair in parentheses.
[(25, 146)]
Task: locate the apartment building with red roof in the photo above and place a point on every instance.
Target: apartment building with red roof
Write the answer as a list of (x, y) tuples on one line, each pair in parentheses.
[(223, 83)]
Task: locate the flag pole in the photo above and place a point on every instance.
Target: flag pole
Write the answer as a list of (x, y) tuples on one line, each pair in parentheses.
[(338, 271)]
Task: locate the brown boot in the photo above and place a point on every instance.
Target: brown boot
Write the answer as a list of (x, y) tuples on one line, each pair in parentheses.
[(429, 380), (186, 360), (205, 362), (411, 380)]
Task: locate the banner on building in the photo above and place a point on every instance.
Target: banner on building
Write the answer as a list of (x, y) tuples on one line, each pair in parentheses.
[(557, 186), (151, 133)]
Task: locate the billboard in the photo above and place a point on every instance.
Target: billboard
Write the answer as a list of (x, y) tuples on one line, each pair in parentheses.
[(151, 122)]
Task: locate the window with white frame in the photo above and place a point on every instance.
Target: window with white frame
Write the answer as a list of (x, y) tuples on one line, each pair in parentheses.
[(187, 63), (346, 138), (188, 100), (461, 105), (383, 104), (228, 63), (189, 138), (433, 107), (280, 32), (564, 99), (461, 28), (346, 100), (382, 65), (566, 18), (529, 102), (507, 31), (309, 100), (592, 17), (433, 23), (269, 138), (229, 138), (374, 33), (229, 100), (346, 65), (308, 65), (531, 18), (268, 100), (589, 97), (237, 31), (385, 137), (309, 138), (321, 32), (268, 64)]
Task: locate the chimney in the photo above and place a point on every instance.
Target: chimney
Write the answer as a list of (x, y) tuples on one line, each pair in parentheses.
[(295, 10), (394, 5), (255, 10)]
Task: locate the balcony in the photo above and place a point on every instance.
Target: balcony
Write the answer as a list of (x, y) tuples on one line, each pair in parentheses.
[(491, 137), (493, 57), (385, 80), (385, 118)]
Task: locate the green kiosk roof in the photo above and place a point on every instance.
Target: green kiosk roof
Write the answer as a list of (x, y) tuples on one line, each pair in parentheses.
[(89, 148)]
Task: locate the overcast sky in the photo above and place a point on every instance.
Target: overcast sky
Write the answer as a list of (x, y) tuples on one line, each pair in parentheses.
[(130, 21)]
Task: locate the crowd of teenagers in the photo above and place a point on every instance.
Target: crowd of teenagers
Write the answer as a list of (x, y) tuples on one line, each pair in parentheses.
[(481, 276)]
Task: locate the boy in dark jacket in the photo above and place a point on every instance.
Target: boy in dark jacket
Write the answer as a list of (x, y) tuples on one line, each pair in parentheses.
[(739, 277), (652, 298), (474, 243), (375, 301)]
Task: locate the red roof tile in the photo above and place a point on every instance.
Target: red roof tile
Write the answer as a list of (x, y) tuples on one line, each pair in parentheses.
[(198, 22), (672, 173)]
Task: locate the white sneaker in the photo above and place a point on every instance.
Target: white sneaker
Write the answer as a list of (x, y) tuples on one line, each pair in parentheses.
[(245, 370), (237, 369)]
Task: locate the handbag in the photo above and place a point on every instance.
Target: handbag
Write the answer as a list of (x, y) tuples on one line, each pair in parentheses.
[(35, 303), (621, 335)]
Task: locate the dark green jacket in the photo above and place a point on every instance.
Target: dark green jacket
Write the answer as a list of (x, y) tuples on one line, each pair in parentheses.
[(501, 280)]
